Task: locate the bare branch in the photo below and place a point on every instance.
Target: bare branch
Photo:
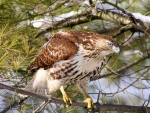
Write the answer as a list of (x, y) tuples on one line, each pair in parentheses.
[(122, 68), (104, 107), (92, 14), (122, 30), (68, 22)]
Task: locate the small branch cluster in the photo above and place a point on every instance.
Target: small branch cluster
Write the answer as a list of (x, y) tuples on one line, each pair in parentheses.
[(104, 107), (125, 18)]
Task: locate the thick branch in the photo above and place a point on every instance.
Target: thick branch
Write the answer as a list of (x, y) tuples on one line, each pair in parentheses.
[(69, 22), (104, 107), (92, 14)]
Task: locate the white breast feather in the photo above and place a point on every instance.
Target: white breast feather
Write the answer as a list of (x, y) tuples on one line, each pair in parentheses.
[(87, 64)]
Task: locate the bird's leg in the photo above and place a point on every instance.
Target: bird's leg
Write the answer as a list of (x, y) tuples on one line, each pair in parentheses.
[(66, 99), (83, 86), (89, 101)]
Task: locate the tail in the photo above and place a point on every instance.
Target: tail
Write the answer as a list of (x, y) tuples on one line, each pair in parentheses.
[(39, 83)]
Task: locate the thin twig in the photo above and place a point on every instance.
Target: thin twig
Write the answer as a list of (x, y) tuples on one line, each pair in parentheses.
[(122, 68), (42, 106)]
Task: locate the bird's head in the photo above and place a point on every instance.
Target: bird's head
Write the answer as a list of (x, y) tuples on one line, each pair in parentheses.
[(108, 45), (113, 47)]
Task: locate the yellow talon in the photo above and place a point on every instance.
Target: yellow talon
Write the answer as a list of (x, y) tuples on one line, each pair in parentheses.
[(89, 101), (66, 99), (90, 104)]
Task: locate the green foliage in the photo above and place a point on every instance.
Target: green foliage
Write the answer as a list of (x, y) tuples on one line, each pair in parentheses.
[(15, 49)]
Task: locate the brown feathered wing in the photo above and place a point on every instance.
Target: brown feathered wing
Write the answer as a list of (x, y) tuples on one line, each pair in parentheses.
[(55, 50)]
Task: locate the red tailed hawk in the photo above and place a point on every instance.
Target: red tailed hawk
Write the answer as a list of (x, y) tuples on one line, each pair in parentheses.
[(70, 58)]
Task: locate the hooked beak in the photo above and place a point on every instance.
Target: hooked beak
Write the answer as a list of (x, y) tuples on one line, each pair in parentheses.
[(116, 50)]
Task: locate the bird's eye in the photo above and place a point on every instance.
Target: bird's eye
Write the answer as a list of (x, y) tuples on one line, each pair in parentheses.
[(110, 45)]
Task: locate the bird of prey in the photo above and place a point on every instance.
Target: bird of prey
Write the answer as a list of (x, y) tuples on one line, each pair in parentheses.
[(70, 57)]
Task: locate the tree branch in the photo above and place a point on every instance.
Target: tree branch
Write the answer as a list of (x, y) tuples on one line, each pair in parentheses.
[(69, 22), (122, 68), (104, 107), (93, 14)]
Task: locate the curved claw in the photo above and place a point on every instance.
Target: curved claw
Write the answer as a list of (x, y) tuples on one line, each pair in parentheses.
[(90, 104), (67, 100)]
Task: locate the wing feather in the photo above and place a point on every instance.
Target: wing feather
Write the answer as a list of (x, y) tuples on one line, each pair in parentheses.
[(55, 50)]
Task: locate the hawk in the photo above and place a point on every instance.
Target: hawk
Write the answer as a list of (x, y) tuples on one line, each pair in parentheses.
[(70, 57)]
